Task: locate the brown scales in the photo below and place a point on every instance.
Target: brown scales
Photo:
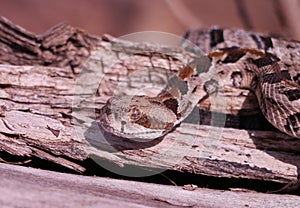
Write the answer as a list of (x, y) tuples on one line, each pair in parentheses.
[(251, 54)]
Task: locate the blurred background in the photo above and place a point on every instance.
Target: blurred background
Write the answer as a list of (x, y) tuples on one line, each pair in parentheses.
[(121, 17)]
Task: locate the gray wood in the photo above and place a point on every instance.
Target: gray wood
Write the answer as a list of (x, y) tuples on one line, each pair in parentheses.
[(29, 187)]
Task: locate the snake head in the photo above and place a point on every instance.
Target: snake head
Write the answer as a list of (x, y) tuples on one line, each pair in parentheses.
[(137, 117)]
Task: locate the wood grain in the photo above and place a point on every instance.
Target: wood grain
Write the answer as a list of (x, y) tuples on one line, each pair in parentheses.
[(52, 189)]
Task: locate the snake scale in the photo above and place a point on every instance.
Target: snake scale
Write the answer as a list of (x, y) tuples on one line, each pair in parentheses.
[(267, 66)]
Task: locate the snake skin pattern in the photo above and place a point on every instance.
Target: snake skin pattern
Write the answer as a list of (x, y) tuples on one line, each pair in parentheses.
[(267, 66)]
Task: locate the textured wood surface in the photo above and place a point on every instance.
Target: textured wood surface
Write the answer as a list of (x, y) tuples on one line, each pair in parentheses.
[(36, 112), (28, 187)]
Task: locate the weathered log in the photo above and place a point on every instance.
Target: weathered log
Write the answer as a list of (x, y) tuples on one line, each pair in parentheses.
[(36, 118), (62, 46), (52, 189)]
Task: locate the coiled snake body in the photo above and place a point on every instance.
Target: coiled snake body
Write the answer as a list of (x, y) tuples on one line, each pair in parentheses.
[(267, 66)]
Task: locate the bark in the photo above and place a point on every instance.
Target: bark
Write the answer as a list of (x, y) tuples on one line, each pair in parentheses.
[(47, 110)]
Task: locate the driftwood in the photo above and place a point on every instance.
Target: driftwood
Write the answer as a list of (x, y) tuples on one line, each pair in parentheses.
[(51, 189), (45, 112)]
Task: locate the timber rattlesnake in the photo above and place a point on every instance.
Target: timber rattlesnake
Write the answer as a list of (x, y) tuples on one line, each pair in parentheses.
[(266, 65)]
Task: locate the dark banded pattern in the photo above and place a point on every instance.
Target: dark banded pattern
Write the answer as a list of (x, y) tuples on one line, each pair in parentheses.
[(216, 36), (293, 94), (233, 54), (263, 64)]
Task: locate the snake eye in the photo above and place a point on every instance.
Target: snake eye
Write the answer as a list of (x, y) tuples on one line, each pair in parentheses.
[(135, 113)]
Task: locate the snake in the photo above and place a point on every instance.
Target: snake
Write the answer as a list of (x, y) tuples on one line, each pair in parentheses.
[(267, 66)]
